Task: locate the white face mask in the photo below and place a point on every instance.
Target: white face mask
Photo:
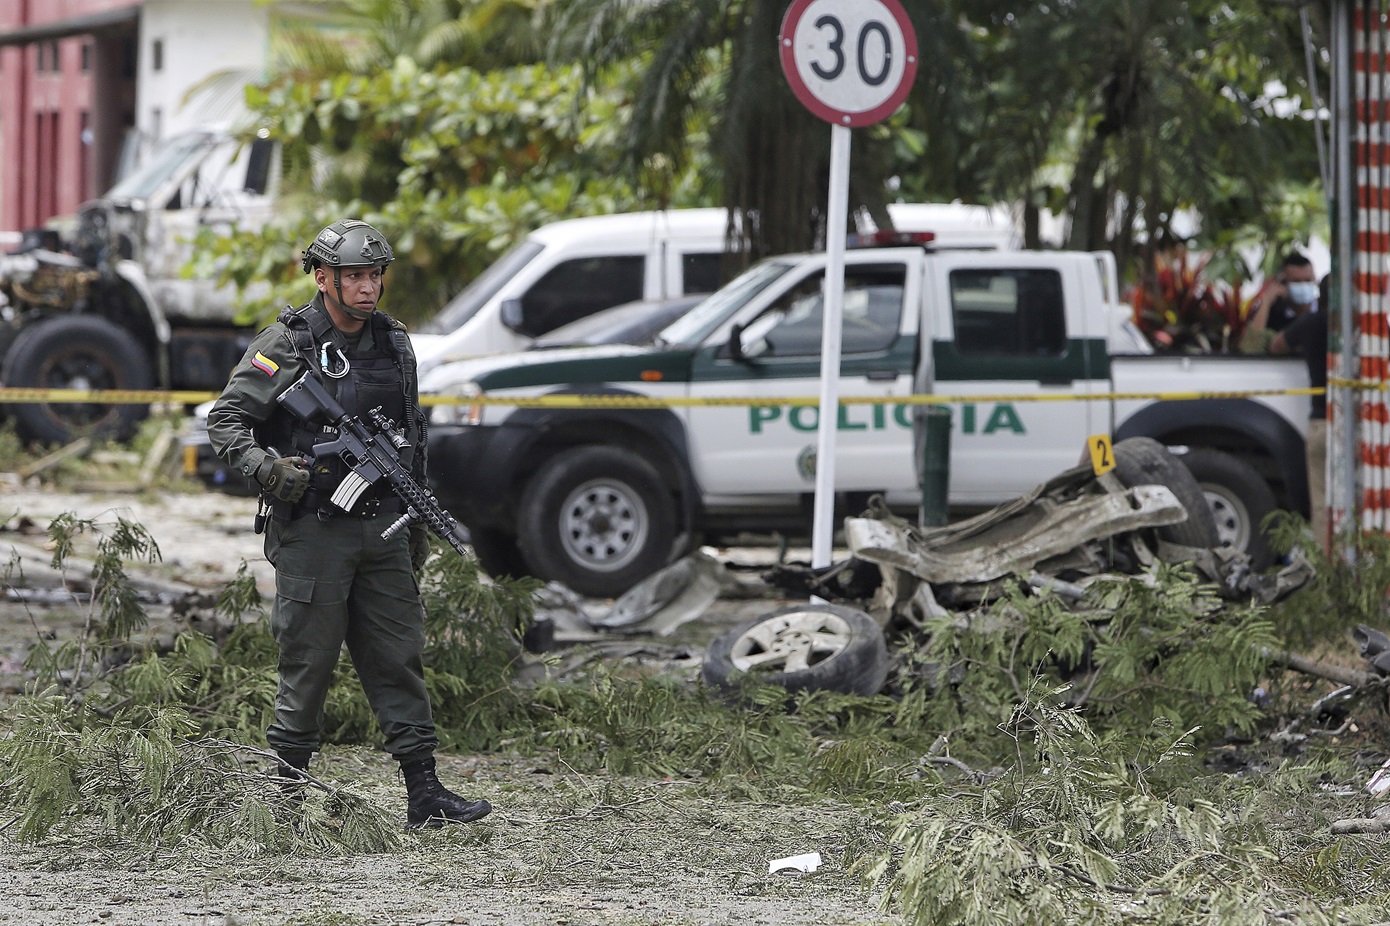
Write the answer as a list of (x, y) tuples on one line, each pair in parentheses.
[(1302, 293)]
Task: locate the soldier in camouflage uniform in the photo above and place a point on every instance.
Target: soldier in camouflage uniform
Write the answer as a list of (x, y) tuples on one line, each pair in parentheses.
[(337, 581)]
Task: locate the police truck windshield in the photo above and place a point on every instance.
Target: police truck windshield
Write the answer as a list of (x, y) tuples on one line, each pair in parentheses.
[(696, 325)]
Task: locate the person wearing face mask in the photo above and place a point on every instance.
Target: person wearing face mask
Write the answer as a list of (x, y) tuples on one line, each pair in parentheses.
[(1286, 296)]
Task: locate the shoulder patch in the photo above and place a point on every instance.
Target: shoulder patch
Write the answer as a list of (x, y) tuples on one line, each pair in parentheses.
[(263, 363)]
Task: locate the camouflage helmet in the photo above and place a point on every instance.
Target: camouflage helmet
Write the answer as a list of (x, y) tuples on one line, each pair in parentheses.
[(349, 243)]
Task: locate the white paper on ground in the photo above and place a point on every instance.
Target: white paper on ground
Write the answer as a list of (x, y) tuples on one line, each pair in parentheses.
[(807, 863), (1380, 781)]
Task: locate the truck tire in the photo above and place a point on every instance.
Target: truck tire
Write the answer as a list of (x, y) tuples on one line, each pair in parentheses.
[(76, 352), (597, 519), (1239, 498), (810, 647), (1144, 461), (497, 553)]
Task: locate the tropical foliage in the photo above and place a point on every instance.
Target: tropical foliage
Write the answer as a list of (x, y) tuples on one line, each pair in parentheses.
[(1154, 109), (458, 125), (454, 166), (1178, 308)]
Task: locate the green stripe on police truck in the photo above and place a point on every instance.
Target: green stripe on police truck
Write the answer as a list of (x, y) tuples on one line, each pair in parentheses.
[(713, 365), (656, 366), (967, 419), (1083, 359)]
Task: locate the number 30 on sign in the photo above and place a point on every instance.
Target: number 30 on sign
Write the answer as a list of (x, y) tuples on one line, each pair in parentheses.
[(850, 62)]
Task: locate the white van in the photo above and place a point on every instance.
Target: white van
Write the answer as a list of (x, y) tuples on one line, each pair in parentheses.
[(569, 269)]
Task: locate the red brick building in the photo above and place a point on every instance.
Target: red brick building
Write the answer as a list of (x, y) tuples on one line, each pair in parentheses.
[(67, 97)]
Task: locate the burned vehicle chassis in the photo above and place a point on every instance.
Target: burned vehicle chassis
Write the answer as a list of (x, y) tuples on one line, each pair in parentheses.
[(1073, 530)]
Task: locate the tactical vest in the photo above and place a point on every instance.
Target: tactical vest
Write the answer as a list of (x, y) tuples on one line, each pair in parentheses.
[(382, 376)]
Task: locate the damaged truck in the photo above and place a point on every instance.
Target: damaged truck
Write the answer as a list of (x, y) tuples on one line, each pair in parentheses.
[(107, 306)]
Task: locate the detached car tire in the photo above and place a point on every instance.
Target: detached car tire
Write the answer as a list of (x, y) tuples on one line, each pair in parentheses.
[(597, 519), (1144, 461), (76, 352), (1239, 498), (811, 647)]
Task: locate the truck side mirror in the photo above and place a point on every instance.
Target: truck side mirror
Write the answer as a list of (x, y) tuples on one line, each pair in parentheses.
[(736, 343), (258, 166), (511, 314), (750, 341)]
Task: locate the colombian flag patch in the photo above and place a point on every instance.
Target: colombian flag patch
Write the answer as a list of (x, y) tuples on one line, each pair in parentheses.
[(264, 364)]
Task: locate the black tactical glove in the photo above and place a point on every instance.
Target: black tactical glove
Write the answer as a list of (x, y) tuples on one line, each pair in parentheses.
[(286, 478), (419, 546)]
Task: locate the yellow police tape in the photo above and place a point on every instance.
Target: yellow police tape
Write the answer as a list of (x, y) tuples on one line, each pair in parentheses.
[(13, 396), (574, 400), (625, 401)]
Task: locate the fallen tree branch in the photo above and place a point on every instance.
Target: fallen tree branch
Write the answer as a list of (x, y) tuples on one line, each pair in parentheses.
[(1333, 673), (1081, 876), (1361, 825), (32, 568), (592, 813), (78, 448), (969, 772), (215, 746)]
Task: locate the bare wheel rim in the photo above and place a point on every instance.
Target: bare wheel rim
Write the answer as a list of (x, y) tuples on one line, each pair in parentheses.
[(1232, 523), (791, 642), (604, 525)]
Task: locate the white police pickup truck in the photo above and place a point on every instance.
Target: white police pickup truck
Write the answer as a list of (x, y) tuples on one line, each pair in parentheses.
[(598, 497)]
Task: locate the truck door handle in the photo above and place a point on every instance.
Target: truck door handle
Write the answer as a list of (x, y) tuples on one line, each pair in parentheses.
[(1058, 381), (881, 376)]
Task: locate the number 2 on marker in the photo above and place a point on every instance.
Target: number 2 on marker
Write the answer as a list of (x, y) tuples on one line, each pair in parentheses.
[(1102, 454)]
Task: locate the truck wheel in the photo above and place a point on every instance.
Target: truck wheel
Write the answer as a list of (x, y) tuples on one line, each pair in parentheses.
[(597, 519), (76, 352), (1239, 498), (1144, 461), (810, 647), (497, 553)]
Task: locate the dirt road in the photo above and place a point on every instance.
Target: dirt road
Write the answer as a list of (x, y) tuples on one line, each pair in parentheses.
[(561, 848)]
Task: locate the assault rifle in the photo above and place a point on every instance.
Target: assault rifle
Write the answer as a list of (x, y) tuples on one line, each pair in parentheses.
[(371, 456)]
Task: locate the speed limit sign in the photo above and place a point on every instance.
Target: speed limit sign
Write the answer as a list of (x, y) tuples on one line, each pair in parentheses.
[(850, 62)]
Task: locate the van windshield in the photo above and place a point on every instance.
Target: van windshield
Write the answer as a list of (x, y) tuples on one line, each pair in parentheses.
[(693, 327), (484, 286)]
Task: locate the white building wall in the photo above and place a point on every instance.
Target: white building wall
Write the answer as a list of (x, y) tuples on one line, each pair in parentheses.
[(218, 44)]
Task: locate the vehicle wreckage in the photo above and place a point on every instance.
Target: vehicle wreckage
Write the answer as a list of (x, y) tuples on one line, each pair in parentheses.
[(1070, 532)]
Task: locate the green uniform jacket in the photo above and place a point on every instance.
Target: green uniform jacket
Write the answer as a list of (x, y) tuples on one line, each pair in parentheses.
[(269, 367)]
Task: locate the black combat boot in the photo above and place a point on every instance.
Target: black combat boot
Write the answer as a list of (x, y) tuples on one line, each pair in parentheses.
[(292, 763), (432, 804)]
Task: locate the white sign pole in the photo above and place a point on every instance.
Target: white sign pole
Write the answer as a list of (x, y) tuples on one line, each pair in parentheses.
[(836, 222), (851, 63)]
